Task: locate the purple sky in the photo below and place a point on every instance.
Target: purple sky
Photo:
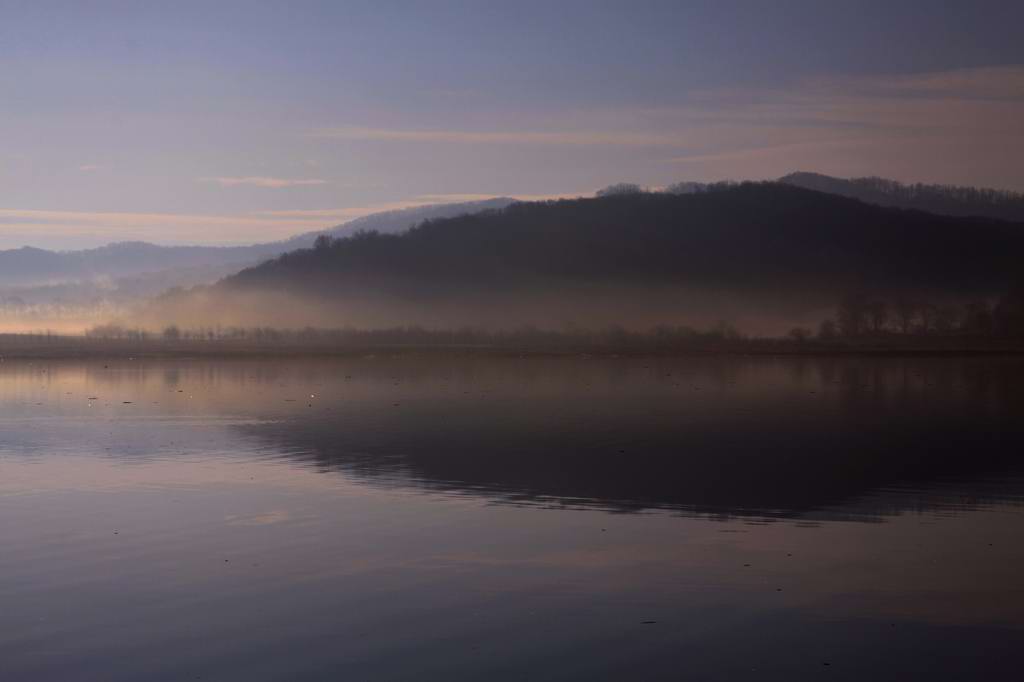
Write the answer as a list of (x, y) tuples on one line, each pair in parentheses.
[(238, 122)]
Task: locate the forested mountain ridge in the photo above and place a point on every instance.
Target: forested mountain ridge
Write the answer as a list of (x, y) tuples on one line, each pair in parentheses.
[(940, 199), (747, 236)]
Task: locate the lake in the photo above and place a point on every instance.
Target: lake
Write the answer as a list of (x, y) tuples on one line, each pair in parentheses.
[(504, 518)]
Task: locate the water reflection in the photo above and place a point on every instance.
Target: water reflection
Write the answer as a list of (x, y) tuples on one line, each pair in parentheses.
[(812, 438), (448, 518)]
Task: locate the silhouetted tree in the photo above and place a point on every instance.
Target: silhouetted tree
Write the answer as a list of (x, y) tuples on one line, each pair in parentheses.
[(978, 318), (620, 189), (906, 311), (799, 334), (725, 331), (1008, 316), (878, 315), (686, 188), (943, 199), (852, 315), (947, 318), (928, 313)]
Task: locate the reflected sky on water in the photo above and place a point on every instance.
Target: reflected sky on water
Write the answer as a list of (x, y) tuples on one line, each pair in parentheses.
[(501, 518)]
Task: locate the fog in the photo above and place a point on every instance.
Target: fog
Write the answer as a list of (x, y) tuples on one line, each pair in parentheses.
[(582, 307)]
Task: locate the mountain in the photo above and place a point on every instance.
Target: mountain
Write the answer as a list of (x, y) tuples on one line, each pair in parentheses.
[(646, 256), (941, 199), (400, 220), (31, 267)]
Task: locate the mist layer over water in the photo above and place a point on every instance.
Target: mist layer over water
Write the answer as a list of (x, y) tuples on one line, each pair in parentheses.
[(487, 518)]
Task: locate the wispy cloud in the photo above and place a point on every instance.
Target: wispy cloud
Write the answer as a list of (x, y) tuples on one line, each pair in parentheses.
[(565, 137), (986, 83), (168, 228), (261, 181), (750, 154), (89, 167), (964, 125), (351, 213), (19, 226)]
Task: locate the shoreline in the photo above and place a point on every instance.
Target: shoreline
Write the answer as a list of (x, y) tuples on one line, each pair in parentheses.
[(88, 349)]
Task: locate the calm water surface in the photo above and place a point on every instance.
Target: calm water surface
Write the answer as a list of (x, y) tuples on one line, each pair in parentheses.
[(523, 519)]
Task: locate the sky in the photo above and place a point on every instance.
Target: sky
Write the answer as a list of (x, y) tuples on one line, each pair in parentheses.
[(238, 122)]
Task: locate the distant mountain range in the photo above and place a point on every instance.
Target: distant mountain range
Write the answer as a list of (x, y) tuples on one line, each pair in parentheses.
[(807, 233), (149, 265), (129, 269), (632, 253)]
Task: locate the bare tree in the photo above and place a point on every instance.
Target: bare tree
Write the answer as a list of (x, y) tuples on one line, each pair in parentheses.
[(906, 310), (799, 334), (947, 318), (929, 314), (827, 330), (852, 315), (620, 189), (878, 315), (978, 318)]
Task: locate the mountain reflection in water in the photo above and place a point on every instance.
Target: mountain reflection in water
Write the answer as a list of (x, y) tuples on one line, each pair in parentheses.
[(443, 517), (723, 437)]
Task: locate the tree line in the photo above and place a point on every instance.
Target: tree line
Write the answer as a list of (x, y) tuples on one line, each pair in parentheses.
[(525, 336), (861, 315)]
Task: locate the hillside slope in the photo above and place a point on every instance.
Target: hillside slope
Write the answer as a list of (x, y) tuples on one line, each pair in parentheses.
[(940, 199), (651, 255), (752, 235)]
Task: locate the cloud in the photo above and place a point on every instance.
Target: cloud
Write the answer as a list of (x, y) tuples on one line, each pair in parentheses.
[(88, 167), (987, 83), (339, 215), (750, 154), (962, 126), (259, 181), (565, 137), (972, 100), (24, 226), (181, 227), (351, 213)]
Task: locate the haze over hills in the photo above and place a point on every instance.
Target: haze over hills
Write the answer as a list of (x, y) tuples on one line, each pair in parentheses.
[(30, 266), (33, 267), (73, 290), (694, 252), (632, 258)]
